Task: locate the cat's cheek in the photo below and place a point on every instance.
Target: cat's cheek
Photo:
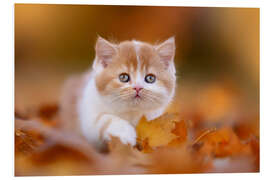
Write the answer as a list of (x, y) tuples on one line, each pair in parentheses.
[(158, 89)]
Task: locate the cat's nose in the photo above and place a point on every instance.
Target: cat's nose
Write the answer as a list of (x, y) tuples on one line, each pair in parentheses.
[(137, 88)]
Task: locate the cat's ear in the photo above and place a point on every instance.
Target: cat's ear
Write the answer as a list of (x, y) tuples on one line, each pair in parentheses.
[(104, 51), (166, 51)]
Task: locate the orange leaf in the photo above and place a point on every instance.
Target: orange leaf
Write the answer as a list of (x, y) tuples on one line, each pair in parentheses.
[(157, 132), (223, 142)]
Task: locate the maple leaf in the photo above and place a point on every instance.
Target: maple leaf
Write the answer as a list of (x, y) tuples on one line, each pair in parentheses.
[(123, 159), (181, 132), (183, 159), (223, 142), (157, 132)]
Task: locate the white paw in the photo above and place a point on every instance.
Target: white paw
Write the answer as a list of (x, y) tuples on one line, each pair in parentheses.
[(123, 130)]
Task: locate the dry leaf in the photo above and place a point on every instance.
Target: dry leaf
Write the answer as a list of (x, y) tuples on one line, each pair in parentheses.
[(223, 142), (178, 160), (157, 132)]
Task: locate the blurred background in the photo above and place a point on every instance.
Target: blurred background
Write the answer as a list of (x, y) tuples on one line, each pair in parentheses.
[(217, 55)]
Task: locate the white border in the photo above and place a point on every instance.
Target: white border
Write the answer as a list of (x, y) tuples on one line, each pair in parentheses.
[(201, 3), (7, 84)]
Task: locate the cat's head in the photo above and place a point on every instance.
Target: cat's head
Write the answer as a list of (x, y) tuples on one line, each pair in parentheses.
[(135, 75)]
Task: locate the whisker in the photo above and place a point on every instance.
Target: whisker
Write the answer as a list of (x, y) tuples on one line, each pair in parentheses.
[(152, 96), (121, 97)]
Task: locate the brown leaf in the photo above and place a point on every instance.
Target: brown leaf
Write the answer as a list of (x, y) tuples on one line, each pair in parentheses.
[(223, 142), (177, 160)]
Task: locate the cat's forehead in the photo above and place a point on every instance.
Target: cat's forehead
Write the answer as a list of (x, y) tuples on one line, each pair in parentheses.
[(137, 55)]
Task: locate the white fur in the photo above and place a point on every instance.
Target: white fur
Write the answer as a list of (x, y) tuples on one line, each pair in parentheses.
[(91, 106), (94, 111)]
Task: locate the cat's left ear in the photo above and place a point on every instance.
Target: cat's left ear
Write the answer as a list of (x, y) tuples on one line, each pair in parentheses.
[(166, 51)]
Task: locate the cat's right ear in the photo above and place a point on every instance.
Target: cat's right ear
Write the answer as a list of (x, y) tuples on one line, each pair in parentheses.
[(104, 52)]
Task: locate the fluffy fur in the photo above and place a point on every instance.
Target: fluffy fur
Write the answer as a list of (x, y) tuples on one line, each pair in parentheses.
[(104, 106)]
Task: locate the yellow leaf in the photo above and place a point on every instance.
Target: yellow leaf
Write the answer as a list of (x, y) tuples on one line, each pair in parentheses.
[(157, 132)]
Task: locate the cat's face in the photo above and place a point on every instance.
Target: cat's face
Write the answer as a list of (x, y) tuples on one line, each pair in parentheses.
[(135, 75)]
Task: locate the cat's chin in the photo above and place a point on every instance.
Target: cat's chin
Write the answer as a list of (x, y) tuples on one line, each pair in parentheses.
[(139, 104)]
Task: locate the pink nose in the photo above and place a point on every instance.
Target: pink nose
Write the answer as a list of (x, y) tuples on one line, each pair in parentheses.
[(137, 89)]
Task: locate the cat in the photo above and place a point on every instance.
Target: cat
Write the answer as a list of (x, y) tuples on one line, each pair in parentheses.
[(127, 81)]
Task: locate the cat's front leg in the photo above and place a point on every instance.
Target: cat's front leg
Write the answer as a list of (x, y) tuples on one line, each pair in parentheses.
[(115, 126)]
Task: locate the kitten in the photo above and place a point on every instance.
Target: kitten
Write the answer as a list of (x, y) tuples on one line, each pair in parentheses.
[(127, 81)]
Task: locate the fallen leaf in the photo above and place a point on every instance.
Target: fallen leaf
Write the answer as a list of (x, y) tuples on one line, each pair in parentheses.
[(177, 160), (223, 142), (157, 132)]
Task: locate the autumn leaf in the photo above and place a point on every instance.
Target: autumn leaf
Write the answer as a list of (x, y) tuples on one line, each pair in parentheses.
[(181, 132), (223, 142), (178, 160), (157, 132)]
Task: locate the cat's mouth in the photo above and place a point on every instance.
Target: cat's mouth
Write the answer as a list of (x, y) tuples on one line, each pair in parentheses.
[(137, 96)]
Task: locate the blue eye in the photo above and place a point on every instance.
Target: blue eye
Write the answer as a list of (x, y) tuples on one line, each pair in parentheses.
[(150, 78), (124, 77)]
